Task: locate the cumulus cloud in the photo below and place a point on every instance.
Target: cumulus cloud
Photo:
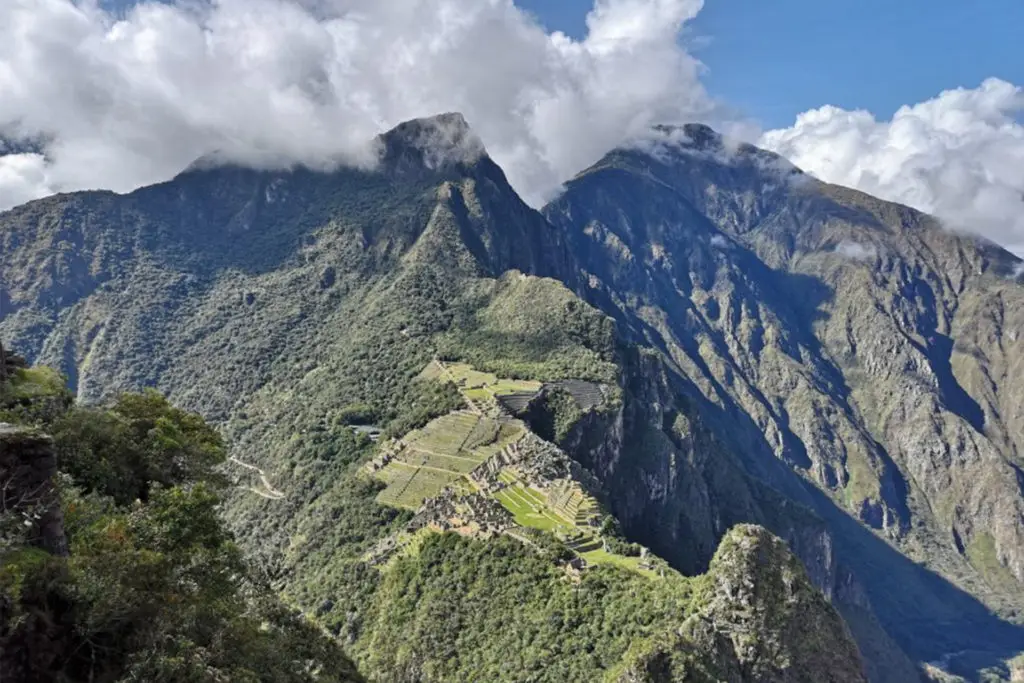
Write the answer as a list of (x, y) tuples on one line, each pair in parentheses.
[(132, 98), (959, 156)]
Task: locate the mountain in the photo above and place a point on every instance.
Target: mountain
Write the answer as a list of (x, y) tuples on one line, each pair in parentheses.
[(851, 342), (694, 336)]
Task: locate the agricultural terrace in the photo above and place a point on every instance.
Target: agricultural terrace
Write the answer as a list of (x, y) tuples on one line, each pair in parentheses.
[(426, 460), (565, 511), (480, 389)]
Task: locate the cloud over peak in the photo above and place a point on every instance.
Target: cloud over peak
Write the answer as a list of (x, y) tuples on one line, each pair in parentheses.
[(959, 156), (127, 101), (96, 99)]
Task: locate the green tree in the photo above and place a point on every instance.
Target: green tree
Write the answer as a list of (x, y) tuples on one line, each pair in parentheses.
[(140, 441), (154, 587)]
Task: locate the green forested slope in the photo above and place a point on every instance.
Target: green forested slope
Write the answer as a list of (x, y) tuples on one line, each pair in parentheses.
[(114, 564)]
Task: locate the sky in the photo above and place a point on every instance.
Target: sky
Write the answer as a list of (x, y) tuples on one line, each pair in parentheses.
[(914, 101), (774, 59)]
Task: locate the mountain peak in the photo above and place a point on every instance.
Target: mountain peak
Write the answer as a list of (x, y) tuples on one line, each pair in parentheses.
[(694, 135), (433, 142)]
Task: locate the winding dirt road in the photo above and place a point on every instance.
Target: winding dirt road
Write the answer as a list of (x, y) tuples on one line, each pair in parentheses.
[(270, 492)]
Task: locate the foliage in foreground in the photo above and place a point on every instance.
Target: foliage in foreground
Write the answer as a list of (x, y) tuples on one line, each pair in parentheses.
[(153, 588)]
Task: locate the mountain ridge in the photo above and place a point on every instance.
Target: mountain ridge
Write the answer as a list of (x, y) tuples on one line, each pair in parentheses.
[(320, 291)]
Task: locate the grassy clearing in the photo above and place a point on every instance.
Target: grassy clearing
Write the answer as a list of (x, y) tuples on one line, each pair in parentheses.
[(602, 556), (466, 377), (433, 371), (437, 461), (444, 435), (478, 396), (530, 509), (527, 506), (526, 515), (508, 386)]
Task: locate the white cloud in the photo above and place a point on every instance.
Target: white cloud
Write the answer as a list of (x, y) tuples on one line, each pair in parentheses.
[(22, 178), (132, 101), (856, 250), (959, 156)]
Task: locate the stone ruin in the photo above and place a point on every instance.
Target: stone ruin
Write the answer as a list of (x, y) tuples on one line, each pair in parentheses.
[(451, 511)]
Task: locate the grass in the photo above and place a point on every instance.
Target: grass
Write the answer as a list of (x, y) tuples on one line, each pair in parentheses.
[(529, 509), (508, 433), (981, 551), (480, 395), (524, 513), (478, 387), (468, 378), (602, 556), (437, 461), (445, 434), (508, 386), (409, 489), (440, 453)]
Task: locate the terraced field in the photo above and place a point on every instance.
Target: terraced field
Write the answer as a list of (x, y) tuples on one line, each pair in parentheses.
[(445, 434), (566, 511), (587, 394), (410, 486), (529, 511), (480, 388), (440, 454)]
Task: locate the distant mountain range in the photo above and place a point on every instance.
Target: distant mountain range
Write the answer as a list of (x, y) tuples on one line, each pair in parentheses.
[(771, 350)]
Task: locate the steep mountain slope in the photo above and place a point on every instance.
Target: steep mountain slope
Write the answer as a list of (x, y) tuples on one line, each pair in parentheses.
[(828, 335), (291, 307), (759, 588)]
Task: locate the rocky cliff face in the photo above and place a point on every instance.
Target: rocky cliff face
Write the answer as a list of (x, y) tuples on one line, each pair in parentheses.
[(28, 494), (851, 353), (763, 621), (677, 488)]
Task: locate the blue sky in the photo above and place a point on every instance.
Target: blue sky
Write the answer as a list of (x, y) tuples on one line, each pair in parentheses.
[(776, 58)]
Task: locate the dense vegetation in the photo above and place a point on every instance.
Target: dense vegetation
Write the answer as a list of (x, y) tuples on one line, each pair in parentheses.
[(463, 610), (152, 587)]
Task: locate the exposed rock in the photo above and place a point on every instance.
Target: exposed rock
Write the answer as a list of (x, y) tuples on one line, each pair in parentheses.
[(882, 375), (28, 466), (761, 621)]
